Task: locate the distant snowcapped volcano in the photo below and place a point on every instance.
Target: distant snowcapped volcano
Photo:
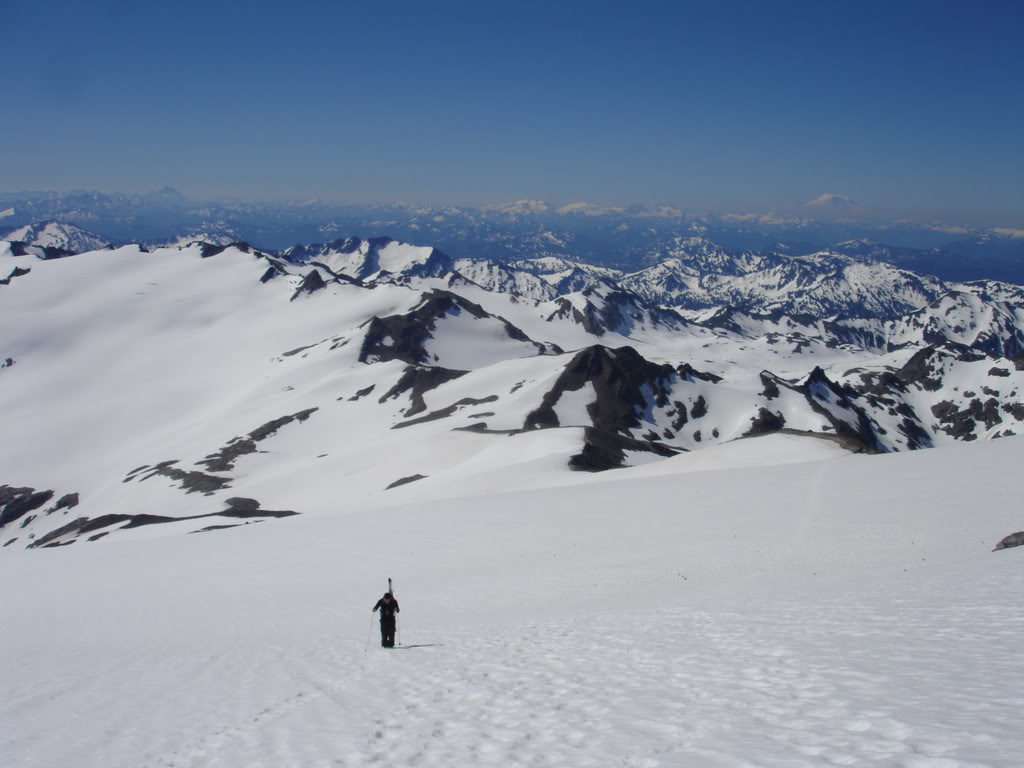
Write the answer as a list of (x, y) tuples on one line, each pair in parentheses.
[(829, 200), (524, 207), (58, 234)]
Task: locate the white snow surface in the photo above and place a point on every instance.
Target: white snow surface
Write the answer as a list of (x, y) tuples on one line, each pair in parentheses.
[(832, 610), (773, 601), (57, 234)]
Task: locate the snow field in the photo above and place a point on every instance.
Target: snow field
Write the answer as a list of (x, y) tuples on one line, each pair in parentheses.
[(769, 602), (714, 609), (917, 675)]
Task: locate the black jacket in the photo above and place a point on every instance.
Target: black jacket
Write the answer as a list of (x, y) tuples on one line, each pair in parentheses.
[(388, 609)]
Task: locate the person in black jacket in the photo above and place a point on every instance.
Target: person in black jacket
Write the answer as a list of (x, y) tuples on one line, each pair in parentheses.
[(388, 608)]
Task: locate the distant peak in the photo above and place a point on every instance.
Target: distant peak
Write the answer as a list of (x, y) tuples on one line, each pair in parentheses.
[(51, 233), (524, 207), (588, 209), (830, 200)]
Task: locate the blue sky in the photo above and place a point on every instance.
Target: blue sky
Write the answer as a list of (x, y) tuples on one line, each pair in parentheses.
[(904, 107)]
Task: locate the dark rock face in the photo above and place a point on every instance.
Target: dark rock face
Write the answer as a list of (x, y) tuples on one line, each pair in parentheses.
[(1015, 409), (67, 534), (362, 393), (910, 426), (765, 422), (405, 481), (191, 482), (207, 250), (24, 503), (611, 314), (628, 389), (925, 366), (446, 412), (679, 417), (688, 373), (1013, 540), (564, 310), (920, 371), (338, 277), (618, 377), (240, 504), (823, 394), (771, 387), (699, 409), (311, 283), (961, 423), (224, 459), (16, 272), (418, 379), (67, 501), (606, 450), (42, 252), (271, 427), (18, 502), (297, 350), (403, 337)]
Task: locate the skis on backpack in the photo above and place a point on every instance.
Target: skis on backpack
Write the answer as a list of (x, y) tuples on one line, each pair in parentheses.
[(398, 628)]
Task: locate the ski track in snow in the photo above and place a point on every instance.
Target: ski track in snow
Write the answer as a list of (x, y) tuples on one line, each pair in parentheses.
[(830, 680)]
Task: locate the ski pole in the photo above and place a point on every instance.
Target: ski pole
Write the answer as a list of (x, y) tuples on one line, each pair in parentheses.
[(369, 633)]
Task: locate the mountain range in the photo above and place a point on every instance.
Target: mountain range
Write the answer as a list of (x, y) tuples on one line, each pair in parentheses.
[(628, 239), (172, 388)]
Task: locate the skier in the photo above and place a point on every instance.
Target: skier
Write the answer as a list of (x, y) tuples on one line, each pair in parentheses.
[(388, 608)]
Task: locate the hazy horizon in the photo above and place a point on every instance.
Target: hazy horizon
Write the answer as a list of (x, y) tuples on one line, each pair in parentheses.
[(749, 107), (813, 210)]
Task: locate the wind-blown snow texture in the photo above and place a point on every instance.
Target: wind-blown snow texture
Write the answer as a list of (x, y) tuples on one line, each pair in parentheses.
[(332, 415)]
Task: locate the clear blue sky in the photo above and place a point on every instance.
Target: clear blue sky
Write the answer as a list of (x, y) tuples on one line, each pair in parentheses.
[(728, 105)]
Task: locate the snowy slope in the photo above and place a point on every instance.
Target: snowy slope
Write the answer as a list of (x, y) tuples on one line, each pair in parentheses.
[(749, 586), (833, 610), (213, 371), (58, 235)]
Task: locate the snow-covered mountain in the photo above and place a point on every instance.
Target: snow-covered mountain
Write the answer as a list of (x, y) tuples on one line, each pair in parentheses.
[(58, 236), (213, 369), (566, 275), (749, 586), (372, 260), (697, 274)]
